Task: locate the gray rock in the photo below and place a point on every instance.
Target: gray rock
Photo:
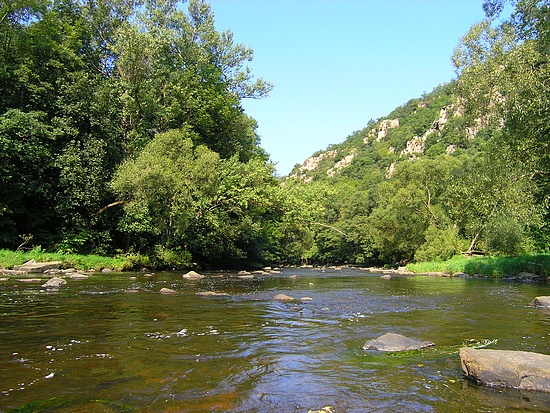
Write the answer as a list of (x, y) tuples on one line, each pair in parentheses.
[(30, 280), (283, 297), (503, 368), (192, 275), (542, 301), (167, 291), (212, 294), (396, 342), (54, 282), (77, 276)]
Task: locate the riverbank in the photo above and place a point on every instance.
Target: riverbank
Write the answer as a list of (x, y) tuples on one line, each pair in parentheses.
[(491, 267), (9, 259)]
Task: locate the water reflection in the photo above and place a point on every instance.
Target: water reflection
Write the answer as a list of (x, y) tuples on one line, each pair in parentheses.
[(116, 344)]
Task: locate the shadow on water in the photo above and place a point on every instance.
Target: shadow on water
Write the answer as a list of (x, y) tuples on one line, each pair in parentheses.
[(114, 344)]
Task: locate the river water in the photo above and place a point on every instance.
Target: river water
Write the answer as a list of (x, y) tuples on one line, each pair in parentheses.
[(112, 343)]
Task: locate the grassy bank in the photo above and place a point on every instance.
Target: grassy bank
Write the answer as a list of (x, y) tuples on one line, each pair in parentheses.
[(82, 262), (487, 266)]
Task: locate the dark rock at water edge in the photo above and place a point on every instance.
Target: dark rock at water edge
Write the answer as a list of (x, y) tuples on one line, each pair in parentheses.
[(504, 368), (396, 342)]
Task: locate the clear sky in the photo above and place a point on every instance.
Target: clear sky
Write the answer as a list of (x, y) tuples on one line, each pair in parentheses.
[(336, 64)]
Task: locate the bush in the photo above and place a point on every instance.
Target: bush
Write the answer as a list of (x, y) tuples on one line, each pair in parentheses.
[(172, 258), (440, 245)]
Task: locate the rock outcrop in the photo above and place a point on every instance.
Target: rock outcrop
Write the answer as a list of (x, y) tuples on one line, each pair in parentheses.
[(384, 126), (396, 342), (503, 368)]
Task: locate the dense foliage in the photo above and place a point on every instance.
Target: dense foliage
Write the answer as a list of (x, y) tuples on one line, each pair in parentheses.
[(122, 132)]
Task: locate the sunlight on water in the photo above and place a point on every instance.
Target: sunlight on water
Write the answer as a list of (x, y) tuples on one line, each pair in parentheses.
[(114, 344)]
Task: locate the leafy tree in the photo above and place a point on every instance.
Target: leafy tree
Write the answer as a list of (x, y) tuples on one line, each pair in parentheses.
[(186, 198), (25, 159)]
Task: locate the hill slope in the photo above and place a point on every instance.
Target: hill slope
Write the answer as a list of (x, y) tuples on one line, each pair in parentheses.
[(425, 182)]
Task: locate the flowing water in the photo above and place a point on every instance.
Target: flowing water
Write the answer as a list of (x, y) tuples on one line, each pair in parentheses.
[(112, 343)]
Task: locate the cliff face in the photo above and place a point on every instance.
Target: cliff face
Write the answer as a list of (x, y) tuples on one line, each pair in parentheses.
[(429, 126)]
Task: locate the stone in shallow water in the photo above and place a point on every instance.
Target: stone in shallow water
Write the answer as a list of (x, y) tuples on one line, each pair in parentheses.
[(167, 291), (283, 297), (54, 282), (192, 275), (212, 294), (521, 370), (396, 342)]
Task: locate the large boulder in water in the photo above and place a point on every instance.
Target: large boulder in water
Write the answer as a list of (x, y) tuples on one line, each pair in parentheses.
[(396, 342), (542, 301), (521, 370)]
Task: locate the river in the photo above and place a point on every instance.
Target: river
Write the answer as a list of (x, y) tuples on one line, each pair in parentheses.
[(112, 343)]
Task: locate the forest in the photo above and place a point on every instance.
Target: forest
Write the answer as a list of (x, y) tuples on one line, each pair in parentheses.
[(122, 133)]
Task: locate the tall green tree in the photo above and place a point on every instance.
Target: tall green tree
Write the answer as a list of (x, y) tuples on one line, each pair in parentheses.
[(187, 199), (504, 79)]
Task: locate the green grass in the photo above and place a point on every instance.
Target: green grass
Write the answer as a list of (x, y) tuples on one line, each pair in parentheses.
[(82, 262), (493, 267)]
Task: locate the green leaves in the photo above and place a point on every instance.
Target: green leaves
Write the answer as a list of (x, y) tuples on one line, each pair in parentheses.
[(187, 197)]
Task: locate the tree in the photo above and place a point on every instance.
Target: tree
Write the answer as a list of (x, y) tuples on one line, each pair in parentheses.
[(504, 79), (186, 198)]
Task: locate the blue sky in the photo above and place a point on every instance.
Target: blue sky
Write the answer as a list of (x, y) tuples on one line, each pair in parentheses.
[(336, 64)]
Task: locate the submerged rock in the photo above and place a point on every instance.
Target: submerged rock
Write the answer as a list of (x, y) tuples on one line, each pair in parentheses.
[(504, 368), (284, 297), (192, 275), (396, 342), (78, 276), (212, 294), (54, 282), (326, 409), (542, 301)]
